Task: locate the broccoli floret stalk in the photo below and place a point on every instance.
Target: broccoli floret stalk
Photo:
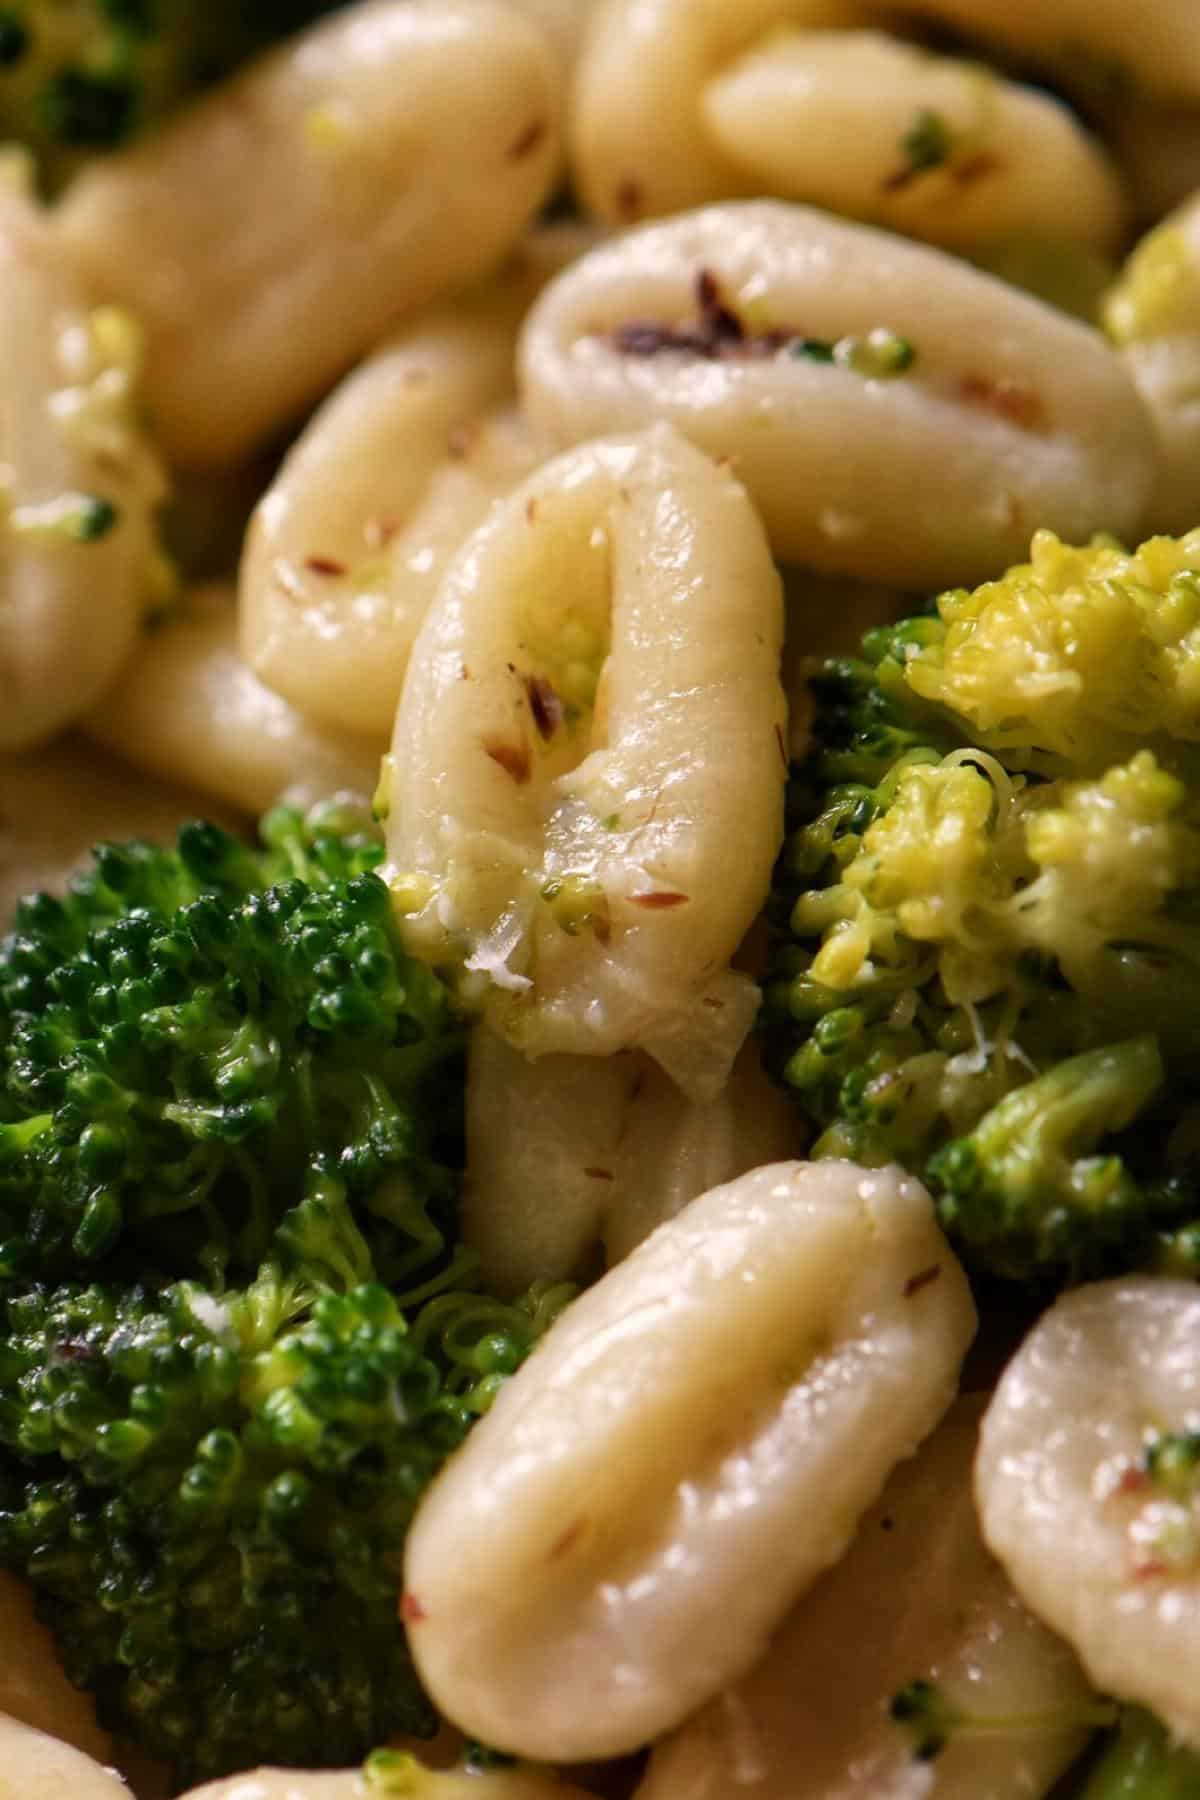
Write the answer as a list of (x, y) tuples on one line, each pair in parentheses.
[(193, 1037), (1026, 1189), (1142, 1763), (993, 868)]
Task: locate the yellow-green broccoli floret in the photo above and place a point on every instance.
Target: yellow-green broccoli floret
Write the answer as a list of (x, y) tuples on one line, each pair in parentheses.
[(994, 889), (1074, 660)]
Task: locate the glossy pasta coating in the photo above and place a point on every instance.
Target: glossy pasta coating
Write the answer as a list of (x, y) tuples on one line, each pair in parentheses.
[(895, 415), (1087, 1486), (394, 152), (917, 1597), (570, 1151), (679, 104), (349, 544), (693, 1443), (588, 762), (78, 485)]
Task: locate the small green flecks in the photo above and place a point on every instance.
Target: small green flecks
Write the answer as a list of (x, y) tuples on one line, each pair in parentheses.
[(14, 39), (928, 142), (807, 349), (93, 520)]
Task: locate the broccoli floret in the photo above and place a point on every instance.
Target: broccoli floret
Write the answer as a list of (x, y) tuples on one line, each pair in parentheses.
[(1027, 1189), (210, 1491), (993, 869), (78, 77), (1141, 1763), (192, 1037), (237, 1336)]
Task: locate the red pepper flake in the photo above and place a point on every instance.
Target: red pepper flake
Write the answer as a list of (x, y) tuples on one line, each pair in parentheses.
[(531, 509), (570, 1536), (1148, 1570), (544, 704), (600, 1174), (325, 565), (1011, 400), (411, 1610), (461, 440), (533, 135), (378, 533), (1133, 1481), (658, 901), (629, 198), (514, 759), (973, 168), (922, 1279)]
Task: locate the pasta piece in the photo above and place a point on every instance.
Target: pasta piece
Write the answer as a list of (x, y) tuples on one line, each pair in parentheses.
[(78, 485), (694, 1441), (587, 769), (33, 1686), (39, 1767), (1087, 1486), (1154, 314), (565, 23), (895, 415), (1099, 43), (188, 709), (639, 145), (927, 145), (349, 544), (414, 1783), (916, 1597), (389, 155), (571, 1150)]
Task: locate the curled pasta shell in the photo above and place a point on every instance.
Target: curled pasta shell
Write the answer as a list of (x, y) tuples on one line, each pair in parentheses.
[(693, 1442), (1154, 313), (639, 144), (78, 484), (894, 414), (915, 1597), (188, 709), (1097, 42), (40, 1767), (932, 146), (1086, 1492), (401, 463), (571, 1150), (415, 1783), (588, 761), (393, 153)]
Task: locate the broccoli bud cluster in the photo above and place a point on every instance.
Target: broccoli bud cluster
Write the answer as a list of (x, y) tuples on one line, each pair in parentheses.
[(238, 1338), (988, 910)]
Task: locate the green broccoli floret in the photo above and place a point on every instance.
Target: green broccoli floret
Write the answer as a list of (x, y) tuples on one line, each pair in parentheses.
[(1141, 1763), (993, 869), (192, 1037), (237, 1336), (210, 1491), (82, 76)]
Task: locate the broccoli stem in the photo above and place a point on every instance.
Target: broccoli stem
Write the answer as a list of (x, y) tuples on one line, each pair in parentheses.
[(1141, 1763), (1066, 1111)]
